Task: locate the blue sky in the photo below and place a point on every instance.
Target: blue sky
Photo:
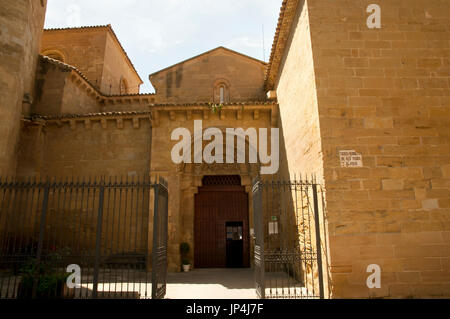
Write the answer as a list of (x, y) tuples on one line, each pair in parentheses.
[(160, 33)]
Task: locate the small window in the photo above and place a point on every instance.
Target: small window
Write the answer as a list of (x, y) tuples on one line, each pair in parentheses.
[(222, 94), (123, 87)]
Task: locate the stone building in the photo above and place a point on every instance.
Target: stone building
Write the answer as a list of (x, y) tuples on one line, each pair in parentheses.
[(384, 94), (70, 106)]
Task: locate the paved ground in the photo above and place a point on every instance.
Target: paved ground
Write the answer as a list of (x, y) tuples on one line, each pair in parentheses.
[(196, 284), (212, 284)]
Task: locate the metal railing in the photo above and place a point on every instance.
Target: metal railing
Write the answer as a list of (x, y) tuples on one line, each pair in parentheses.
[(100, 225), (288, 217)]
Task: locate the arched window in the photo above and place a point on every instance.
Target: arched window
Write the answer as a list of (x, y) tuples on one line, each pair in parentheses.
[(221, 92), (55, 55), (123, 86)]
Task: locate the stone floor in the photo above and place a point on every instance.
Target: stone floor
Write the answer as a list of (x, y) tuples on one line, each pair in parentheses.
[(212, 284), (196, 284)]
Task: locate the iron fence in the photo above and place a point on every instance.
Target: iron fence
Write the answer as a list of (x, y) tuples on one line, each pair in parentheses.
[(289, 239), (101, 225)]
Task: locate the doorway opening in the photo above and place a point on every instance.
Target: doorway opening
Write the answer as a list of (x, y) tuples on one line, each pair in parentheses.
[(235, 244)]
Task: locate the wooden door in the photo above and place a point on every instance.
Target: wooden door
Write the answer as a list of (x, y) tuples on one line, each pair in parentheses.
[(215, 206)]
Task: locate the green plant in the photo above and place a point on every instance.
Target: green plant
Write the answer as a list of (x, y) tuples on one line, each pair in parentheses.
[(215, 107), (49, 278), (186, 261), (184, 251)]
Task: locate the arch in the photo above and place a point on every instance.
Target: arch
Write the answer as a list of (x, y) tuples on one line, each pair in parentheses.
[(234, 168), (221, 91), (248, 145), (123, 86), (55, 54)]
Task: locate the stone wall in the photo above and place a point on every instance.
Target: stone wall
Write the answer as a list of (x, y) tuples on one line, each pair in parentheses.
[(96, 53), (62, 91), (76, 99), (90, 149), (384, 93), (116, 69), (296, 93), (301, 147), (81, 48), (184, 179), (197, 79), (21, 27), (51, 81)]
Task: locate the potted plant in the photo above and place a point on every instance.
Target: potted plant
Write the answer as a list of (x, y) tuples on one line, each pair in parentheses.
[(186, 265), (184, 251)]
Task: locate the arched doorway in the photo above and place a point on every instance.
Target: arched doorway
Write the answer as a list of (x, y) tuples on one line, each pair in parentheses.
[(221, 227)]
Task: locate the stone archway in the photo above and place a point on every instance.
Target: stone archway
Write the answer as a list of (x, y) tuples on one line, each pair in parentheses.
[(190, 179)]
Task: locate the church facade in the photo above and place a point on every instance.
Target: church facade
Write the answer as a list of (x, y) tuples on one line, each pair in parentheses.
[(333, 88)]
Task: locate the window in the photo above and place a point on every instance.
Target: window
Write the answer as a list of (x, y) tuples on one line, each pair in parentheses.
[(55, 55), (222, 94), (221, 91), (123, 86)]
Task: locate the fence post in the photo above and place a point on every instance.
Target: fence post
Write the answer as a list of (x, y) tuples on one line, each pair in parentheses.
[(258, 221), (98, 241), (156, 235), (41, 239), (318, 243)]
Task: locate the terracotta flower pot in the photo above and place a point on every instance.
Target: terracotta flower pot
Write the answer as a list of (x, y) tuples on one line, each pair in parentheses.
[(186, 268)]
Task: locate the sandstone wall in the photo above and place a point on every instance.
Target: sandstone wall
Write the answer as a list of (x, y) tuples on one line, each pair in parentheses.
[(61, 91), (95, 151), (116, 68), (195, 80), (51, 82), (184, 180), (385, 94), (21, 27), (93, 51), (76, 100), (296, 92), (82, 48), (301, 147)]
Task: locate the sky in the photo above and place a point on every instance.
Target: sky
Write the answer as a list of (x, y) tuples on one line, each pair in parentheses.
[(159, 33)]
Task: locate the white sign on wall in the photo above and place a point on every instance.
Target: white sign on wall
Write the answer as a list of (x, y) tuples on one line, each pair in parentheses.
[(350, 159), (273, 228)]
